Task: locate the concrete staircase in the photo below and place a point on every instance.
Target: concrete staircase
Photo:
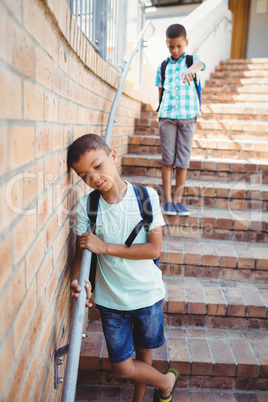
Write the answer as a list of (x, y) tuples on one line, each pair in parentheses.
[(214, 262)]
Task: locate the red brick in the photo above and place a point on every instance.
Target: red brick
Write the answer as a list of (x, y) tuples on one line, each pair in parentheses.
[(23, 319), (216, 301), (6, 355), (256, 306), (21, 50), (176, 299), (3, 150), (196, 303), (211, 382), (21, 146), (235, 303), (5, 258), (33, 102), (202, 363), (178, 355), (23, 234), (10, 95), (261, 351), (18, 377), (247, 364), (226, 322), (43, 141), (225, 364)]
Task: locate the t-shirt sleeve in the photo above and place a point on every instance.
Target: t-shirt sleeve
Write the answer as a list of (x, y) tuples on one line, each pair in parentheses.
[(158, 80), (197, 57), (158, 219), (82, 219)]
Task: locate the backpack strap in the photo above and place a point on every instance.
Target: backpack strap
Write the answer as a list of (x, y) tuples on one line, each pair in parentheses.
[(163, 72), (189, 62), (146, 212), (92, 208), (92, 212)]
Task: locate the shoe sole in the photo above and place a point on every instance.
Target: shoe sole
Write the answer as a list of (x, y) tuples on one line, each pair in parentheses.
[(183, 213), (169, 213)]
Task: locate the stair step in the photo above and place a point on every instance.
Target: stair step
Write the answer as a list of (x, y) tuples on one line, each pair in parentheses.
[(245, 112), (240, 74), (200, 168), (230, 98), (214, 259), (222, 82), (214, 194), (207, 357), (123, 392), (234, 89), (217, 148), (254, 61)]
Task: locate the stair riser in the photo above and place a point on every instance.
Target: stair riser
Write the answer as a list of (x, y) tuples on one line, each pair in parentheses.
[(232, 89), (184, 319), (210, 133), (222, 82), (220, 117), (241, 75), (198, 174), (225, 98), (242, 67), (192, 231), (104, 377), (213, 272), (196, 151)]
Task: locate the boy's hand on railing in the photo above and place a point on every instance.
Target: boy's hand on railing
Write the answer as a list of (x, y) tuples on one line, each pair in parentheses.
[(76, 288), (188, 76), (92, 243)]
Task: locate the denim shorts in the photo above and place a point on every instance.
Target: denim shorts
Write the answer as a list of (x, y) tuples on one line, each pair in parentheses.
[(123, 330)]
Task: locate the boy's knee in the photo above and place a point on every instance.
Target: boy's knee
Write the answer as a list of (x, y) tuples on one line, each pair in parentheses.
[(121, 370)]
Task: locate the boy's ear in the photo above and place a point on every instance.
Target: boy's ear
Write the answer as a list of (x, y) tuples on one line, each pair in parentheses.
[(187, 41), (114, 156)]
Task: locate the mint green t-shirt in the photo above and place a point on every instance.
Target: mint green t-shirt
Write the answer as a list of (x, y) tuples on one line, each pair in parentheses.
[(123, 284)]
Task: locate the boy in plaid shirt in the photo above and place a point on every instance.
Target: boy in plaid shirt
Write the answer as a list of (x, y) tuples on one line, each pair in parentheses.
[(178, 110)]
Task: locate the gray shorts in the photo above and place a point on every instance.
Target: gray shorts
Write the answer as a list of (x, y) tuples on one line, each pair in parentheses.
[(177, 141)]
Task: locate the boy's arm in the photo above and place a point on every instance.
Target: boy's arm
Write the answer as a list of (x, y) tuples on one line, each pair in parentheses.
[(160, 91), (144, 251), (190, 72), (75, 287)]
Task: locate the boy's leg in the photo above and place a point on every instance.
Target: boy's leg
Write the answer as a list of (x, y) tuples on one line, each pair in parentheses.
[(168, 137), (181, 174), (146, 356), (166, 180), (141, 372), (186, 128)]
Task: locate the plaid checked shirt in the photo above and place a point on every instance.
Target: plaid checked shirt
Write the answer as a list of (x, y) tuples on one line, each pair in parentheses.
[(180, 101)]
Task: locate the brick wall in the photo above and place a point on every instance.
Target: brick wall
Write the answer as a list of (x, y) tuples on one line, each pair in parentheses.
[(54, 88)]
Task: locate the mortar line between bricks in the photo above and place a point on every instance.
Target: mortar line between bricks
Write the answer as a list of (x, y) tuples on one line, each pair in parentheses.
[(246, 304), (189, 351), (213, 360), (254, 354), (231, 349)]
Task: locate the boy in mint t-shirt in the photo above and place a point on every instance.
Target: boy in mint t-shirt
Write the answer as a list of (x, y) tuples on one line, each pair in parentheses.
[(178, 109), (129, 289)]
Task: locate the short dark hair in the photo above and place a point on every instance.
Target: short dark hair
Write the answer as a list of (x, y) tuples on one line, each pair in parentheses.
[(176, 31), (81, 145)]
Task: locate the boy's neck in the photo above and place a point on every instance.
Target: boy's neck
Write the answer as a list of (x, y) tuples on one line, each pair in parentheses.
[(116, 192)]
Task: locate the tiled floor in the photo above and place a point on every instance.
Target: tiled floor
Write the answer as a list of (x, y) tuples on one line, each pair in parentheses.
[(96, 393)]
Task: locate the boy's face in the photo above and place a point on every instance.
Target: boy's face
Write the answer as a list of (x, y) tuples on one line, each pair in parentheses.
[(97, 169), (176, 46)]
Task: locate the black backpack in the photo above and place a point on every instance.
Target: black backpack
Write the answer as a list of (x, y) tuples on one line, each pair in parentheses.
[(189, 62), (146, 212)]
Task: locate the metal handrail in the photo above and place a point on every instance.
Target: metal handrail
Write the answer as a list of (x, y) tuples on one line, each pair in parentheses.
[(70, 379)]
